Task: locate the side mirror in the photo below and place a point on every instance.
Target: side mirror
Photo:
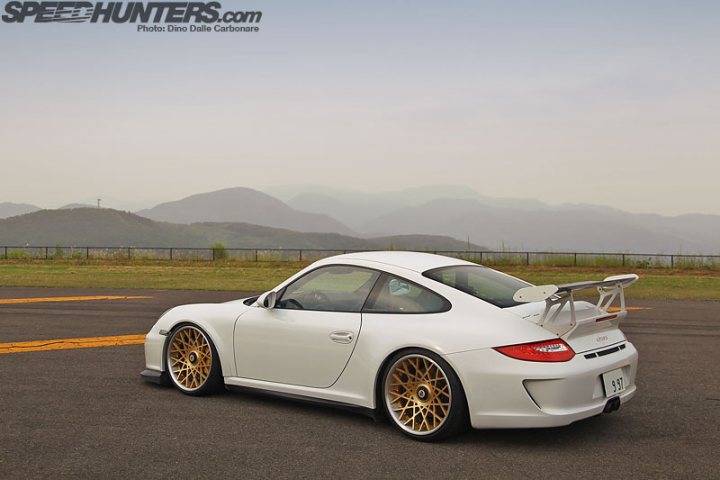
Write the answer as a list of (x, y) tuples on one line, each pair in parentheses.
[(267, 299)]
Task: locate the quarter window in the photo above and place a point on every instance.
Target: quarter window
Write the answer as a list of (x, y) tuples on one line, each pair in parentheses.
[(333, 289), (396, 295)]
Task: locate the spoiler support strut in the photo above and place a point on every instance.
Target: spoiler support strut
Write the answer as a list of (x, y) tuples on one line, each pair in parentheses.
[(558, 296)]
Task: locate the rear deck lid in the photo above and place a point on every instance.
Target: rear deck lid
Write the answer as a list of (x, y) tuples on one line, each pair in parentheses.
[(593, 329)]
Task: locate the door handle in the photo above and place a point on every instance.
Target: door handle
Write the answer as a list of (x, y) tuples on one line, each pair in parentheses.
[(341, 337)]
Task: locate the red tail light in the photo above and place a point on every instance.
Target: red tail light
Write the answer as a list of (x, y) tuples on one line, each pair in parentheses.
[(547, 351)]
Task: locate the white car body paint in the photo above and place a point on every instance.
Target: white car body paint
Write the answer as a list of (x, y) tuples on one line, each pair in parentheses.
[(291, 351)]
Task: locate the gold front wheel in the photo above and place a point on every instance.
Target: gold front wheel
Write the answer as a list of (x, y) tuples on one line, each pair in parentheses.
[(191, 361), (418, 394)]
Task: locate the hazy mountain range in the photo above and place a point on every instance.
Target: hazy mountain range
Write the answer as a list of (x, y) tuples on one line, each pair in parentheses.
[(9, 209), (112, 228), (321, 217), (356, 208), (508, 223), (243, 205)]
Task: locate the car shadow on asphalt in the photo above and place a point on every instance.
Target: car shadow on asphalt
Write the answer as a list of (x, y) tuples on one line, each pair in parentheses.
[(581, 432)]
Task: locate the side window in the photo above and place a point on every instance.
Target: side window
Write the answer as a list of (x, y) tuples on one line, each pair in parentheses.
[(397, 295), (332, 289)]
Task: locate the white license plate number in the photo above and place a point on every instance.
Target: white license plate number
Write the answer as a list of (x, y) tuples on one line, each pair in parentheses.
[(614, 382)]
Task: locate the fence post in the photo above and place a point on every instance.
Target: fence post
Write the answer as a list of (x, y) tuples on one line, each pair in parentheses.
[(46, 253), (672, 261), (623, 259), (5, 257), (256, 255), (87, 253), (527, 258), (300, 252), (213, 252), (129, 254), (171, 254), (481, 259), (575, 259)]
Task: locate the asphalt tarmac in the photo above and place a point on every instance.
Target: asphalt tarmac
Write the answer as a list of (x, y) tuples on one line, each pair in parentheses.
[(87, 413)]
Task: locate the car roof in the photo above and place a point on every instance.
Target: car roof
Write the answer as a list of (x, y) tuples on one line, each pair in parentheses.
[(416, 261)]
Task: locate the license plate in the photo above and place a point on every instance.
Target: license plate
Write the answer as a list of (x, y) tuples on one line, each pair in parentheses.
[(614, 382)]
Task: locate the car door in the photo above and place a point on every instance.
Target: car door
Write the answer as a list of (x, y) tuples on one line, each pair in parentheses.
[(307, 339)]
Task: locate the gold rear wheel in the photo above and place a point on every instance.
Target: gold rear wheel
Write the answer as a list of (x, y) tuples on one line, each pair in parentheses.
[(418, 395), (189, 358)]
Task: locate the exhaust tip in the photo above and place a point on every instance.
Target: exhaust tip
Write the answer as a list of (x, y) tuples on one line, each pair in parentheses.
[(612, 405)]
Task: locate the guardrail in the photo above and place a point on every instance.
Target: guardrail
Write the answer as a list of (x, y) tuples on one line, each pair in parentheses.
[(596, 259)]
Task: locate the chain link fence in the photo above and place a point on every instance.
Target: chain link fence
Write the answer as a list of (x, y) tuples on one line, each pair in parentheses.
[(486, 257)]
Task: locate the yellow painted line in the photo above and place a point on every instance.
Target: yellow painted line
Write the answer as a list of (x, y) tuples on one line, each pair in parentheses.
[(71, 343), (617, 309), (7, 301)]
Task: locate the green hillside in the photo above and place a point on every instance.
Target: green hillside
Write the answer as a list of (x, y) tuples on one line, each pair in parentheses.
[(112, 228)]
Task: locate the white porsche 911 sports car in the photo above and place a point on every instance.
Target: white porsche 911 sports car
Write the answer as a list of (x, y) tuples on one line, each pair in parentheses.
[(434, 343)]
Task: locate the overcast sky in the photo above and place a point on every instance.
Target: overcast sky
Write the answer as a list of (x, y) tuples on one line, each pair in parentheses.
[(606, 102)]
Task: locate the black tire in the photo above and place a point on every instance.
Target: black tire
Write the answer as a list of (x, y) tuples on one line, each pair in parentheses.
[(192, 362), (422, 396)]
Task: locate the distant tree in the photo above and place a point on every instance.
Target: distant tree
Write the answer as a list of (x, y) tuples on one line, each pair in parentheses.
[(219, 251)]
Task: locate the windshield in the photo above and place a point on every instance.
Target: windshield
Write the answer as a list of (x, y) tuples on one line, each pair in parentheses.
[(481, 282)]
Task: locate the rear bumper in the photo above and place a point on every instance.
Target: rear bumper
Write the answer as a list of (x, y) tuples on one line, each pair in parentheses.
[(507, 393)]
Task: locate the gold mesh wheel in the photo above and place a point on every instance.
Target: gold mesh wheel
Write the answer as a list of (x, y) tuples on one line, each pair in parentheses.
[(189, 358), (418, 394)]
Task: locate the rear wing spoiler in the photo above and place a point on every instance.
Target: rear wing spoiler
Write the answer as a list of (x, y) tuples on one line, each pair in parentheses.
[(609, 289)]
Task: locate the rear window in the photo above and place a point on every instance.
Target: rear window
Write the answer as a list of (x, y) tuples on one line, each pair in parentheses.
[(481, 282)]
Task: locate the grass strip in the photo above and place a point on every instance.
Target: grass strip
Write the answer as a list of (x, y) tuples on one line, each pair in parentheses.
[(655, 283)]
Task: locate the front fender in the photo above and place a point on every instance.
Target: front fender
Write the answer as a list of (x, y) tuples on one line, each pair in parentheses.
[(216, 320)]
